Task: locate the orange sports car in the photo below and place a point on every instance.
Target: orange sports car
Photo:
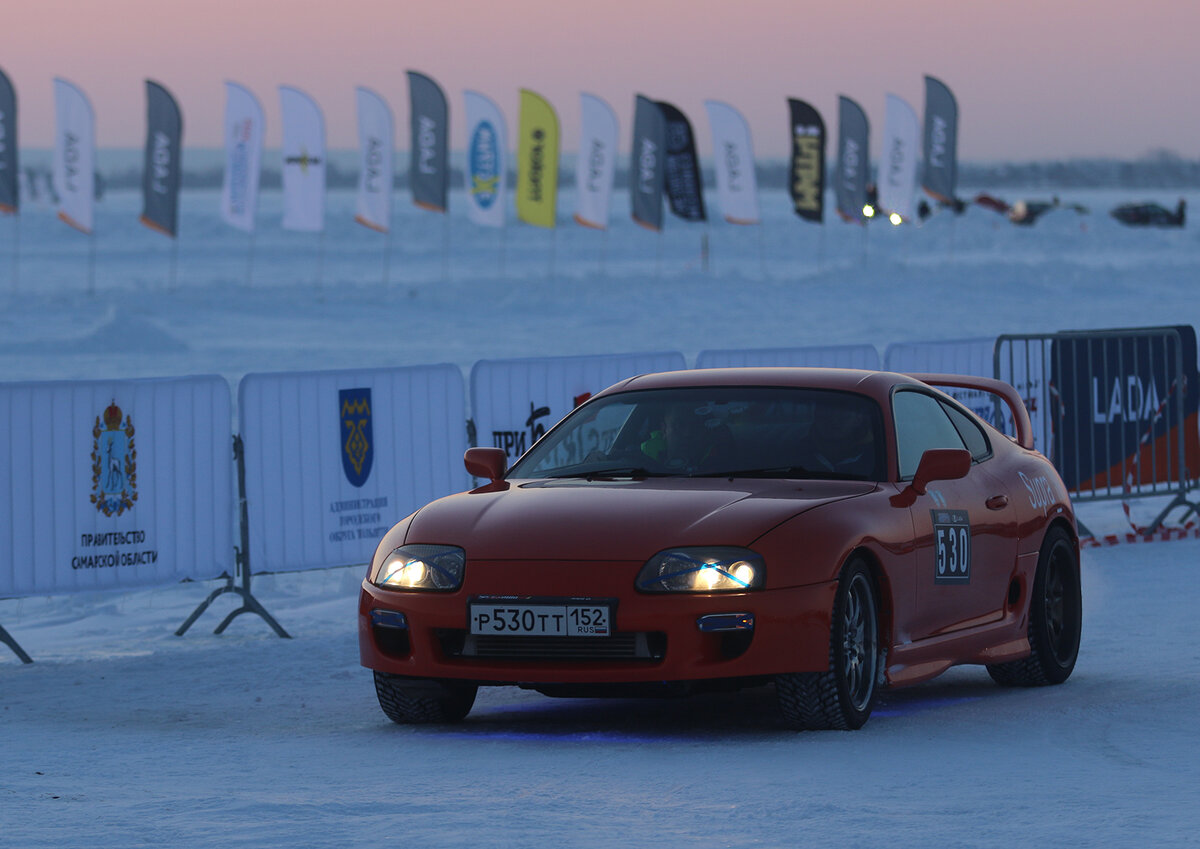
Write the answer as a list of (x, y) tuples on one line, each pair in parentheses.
[(827, 532)]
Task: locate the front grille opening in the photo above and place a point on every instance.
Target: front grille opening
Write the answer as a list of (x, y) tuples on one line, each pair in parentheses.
[(636, 645), (393, 642), (735, 643)]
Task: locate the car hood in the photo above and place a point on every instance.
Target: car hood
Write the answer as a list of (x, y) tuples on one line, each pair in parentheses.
[(616, 520)]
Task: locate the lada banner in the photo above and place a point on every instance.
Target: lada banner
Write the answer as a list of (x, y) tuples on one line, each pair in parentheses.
[(114, 484), (1129, 401)]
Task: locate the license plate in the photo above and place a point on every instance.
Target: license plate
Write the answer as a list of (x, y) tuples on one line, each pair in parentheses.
[(568, 618)]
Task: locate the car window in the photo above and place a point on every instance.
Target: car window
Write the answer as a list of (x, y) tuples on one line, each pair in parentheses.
[(921, 424), (757, 431), (971, 433)]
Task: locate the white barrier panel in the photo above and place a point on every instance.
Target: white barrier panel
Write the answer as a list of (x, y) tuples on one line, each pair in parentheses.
[(114, 484), (976, 357), (335, 458), (833, 356), (513, 402)]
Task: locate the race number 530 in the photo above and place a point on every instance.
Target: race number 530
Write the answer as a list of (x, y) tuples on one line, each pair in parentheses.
[(952, 547)]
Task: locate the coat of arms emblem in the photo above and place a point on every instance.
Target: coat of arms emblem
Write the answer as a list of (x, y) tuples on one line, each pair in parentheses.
[(358, 449), (114, 463)]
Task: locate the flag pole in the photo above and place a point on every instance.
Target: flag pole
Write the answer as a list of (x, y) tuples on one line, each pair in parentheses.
[(321, 262), (91, 263), (387, 254), (250, 262)]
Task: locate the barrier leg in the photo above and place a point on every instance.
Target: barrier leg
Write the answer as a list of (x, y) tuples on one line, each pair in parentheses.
[(249, 603), (7, 639), (1180, 500)]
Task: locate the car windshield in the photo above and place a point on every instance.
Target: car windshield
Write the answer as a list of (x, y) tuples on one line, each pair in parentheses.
[(734, 431)]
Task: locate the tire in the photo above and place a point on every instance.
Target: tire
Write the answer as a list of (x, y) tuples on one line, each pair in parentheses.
[(843, 696), (425, 701), (1055, 619)]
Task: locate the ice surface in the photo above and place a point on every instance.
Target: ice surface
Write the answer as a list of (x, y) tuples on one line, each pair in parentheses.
[(123, 735)]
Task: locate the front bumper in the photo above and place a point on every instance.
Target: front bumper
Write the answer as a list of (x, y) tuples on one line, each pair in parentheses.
[(657, 637)]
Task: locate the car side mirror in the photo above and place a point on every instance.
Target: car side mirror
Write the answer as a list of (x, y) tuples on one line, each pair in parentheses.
[(937, 464), (941, 464), (489, 463)]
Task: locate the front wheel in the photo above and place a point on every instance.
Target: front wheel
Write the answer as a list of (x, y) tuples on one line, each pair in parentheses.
[(843, 696), (1055, 619), (423, 700)]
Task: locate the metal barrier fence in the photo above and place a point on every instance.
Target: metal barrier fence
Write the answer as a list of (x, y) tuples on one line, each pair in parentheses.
[(1114, 410)]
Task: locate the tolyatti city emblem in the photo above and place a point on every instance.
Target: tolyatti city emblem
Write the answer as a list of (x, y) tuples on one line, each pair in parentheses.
[(358, 449), (114, 463)]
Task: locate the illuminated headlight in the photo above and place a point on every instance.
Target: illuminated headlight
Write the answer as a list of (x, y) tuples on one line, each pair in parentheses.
[(422, 567), (702, 570)]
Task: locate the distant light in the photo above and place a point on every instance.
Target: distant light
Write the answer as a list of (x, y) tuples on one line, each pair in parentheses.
[(868, 211), (895, 218)]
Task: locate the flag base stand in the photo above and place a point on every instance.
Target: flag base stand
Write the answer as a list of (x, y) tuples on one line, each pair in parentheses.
[(7, 639), (249, 603)]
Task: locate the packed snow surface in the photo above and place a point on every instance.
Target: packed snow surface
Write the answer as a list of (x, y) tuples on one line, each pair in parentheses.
[(122, 734)]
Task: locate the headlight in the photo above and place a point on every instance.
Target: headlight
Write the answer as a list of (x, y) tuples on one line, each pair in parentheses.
[(422, 567), (702, 570)]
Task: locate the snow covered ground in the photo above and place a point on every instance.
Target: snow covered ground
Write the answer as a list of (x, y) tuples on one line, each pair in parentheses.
[(123, 735)]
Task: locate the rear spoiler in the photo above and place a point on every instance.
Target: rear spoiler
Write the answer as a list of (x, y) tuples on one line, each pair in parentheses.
[(1021, 423)]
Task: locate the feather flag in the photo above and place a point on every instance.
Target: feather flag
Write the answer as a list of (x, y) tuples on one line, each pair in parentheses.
[(244, 127), (733, 157), (853, 161), (685, 190), (429, 167), (376, 141), (487, 160), (162, 170), (10, 193), (897, 180), (74, 155), (303, 161), (597, 162), (807, 184), (647, 171), (537, 161), (941, 141)]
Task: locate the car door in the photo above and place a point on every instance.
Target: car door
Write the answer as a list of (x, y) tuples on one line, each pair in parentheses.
[(964, 530)]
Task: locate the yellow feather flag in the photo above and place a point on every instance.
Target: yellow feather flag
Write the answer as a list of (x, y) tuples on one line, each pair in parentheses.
[(537, 161)]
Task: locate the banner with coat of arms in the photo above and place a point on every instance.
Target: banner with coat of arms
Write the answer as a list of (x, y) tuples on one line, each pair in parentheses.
[(114, 484), (357, 451)]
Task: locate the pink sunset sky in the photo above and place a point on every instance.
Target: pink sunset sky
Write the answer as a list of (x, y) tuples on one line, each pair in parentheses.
[(1035, 79)]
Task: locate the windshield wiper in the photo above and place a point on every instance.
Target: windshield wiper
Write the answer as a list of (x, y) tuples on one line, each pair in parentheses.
[(635, 472), (773, 472)]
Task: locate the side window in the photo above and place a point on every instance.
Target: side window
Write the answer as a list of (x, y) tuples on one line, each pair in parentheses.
[(971, 433), (921, 424)]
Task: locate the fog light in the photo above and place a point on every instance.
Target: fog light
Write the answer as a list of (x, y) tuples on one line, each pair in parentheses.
[(714, 622), (389, 619)]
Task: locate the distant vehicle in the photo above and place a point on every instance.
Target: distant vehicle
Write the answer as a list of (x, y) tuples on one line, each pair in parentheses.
[(1150, 214), (828, 532)]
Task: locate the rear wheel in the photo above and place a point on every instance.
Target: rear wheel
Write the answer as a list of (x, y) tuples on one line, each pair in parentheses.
[(841, 697), (423, 700), (1055, 619)]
